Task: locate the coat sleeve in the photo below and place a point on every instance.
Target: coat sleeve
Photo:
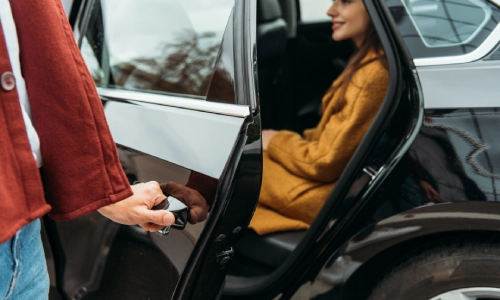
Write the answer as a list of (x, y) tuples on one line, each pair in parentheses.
[(308, 134), (324, 160)]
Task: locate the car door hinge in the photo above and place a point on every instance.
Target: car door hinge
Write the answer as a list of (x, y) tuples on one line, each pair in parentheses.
[(225, 256)]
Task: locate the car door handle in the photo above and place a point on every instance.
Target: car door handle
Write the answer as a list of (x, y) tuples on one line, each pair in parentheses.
[(180, 211)]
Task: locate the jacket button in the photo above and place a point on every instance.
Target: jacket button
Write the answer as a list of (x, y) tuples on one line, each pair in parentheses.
[(8, 81)]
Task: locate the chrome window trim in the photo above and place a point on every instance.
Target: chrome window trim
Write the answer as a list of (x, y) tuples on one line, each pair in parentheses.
[(486, 47), (252, 46), (233, 110)]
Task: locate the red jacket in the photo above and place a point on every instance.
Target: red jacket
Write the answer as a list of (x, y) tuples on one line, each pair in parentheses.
[(81, 168)]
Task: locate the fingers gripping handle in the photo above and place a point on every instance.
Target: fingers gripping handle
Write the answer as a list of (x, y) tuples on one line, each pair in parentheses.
[(178, 209)]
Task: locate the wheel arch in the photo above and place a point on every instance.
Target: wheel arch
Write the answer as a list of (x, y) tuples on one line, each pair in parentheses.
[(374, 251)]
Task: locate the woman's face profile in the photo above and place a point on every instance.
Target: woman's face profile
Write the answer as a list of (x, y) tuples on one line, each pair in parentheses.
[(349, 20)]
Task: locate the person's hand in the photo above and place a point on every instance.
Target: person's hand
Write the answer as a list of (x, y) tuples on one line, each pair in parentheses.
[(267, 135), (136, 209), (430, 192), (198, 206)]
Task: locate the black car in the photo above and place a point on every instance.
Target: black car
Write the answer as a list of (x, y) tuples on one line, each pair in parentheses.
[(187, 86)]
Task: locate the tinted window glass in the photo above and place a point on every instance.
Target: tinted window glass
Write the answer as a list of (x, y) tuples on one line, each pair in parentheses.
[(433, 28), (166, 46)]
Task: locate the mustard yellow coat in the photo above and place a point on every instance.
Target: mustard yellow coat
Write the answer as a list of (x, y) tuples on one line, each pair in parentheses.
[(300, 171)]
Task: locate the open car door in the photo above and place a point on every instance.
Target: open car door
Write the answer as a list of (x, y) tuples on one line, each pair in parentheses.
[(177, 80)]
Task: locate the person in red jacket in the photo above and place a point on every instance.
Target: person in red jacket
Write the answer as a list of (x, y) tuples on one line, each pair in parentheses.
[(53, 124)]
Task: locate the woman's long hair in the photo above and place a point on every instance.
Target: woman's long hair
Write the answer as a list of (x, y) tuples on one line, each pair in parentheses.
[(371, 42)]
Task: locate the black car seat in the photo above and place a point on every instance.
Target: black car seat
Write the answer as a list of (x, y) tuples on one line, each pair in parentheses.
[(272, 35)]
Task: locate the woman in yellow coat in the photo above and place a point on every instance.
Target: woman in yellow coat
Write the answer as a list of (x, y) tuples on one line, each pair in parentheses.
[(300, 171)]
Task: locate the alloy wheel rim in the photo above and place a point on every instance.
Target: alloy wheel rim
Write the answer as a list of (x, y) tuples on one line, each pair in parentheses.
[(475, 293)]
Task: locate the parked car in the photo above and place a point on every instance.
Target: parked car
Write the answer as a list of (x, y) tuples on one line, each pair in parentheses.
[(188, 85)]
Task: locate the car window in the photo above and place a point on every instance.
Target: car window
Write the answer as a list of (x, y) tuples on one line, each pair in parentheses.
[(163, 46), (436, 28), (67, 5), (314, 10)]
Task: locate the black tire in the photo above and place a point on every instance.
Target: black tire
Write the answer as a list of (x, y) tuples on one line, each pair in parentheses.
[(443, 267)]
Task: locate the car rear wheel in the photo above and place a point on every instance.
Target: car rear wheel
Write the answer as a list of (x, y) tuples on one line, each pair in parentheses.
[(482, 293), (459, 269)]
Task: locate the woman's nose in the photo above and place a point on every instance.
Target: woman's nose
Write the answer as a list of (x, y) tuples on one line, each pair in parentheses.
[(332, 10)]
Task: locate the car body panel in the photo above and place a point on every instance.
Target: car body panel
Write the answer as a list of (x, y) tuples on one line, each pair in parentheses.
[(191, 139), (395, 235), (449, 86), (98, 258)]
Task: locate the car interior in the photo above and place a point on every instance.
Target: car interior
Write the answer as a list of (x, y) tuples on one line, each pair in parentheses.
[(297, 63)]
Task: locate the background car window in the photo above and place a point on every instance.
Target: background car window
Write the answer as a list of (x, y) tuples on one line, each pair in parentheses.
[(67, 5), (314, 10), (165, 46), (434, 28)]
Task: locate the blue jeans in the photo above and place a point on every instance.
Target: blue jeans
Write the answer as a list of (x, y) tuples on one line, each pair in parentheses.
[(23, 270)]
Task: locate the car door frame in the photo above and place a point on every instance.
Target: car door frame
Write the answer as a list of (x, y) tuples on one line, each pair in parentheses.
[(323, 239)]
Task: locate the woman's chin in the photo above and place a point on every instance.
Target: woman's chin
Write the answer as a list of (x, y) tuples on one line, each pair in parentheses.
[(338, 37)]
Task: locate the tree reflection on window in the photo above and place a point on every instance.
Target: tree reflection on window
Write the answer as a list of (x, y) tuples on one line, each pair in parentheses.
[(156, 46), (184, 67)]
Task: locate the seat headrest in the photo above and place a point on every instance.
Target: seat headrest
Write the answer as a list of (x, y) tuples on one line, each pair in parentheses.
[(268, 10)]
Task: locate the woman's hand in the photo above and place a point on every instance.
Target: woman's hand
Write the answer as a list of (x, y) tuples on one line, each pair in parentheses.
[(267, 135), (136, 209), (430, 192)]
